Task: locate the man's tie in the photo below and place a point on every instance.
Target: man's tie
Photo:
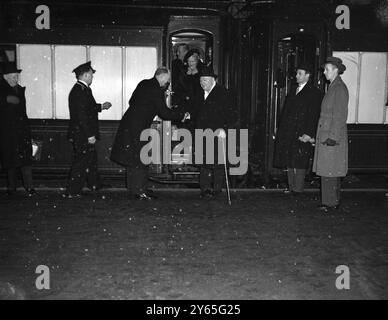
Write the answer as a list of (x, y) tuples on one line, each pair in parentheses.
[(297, 89)]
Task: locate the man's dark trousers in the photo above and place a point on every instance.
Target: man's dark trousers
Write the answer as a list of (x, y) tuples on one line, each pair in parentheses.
[(83, 168), (211, 178), (330, 191)]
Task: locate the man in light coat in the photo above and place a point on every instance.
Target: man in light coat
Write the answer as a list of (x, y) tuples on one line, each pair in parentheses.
[(331, 151)]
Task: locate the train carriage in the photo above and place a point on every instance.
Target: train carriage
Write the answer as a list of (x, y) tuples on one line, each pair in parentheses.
[(253, 46)]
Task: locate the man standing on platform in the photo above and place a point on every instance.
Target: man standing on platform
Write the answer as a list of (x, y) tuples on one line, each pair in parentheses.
[(331, 151), (84, 132), (296, 132)]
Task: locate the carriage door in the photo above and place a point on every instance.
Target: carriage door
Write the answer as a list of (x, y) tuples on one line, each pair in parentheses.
[(289, 50), (202, 34)]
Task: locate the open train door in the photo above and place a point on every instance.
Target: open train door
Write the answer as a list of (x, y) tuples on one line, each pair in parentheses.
[(201, 33), (292, 44)]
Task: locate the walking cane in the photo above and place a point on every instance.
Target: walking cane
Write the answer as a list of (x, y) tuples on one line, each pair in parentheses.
[(226, 172)]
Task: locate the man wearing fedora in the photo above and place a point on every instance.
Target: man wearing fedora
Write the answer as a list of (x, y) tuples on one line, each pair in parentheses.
[(214, 113), (331, 150), (83, 132), (297, 128), (15, 133)]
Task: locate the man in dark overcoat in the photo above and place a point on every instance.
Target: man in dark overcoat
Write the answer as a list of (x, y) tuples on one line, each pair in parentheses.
[(83, 132), (296, 133), (214, 112), (15, 133), (147, 101)]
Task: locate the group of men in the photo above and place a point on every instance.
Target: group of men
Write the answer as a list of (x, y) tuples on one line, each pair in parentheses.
[(312, 126), (309, 125), (147, 101)]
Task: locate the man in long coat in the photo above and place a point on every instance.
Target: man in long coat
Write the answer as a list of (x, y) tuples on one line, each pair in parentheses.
[(331, 151), (214, 112), (15, 133), (83, 132), (147, 101), (296, 132)]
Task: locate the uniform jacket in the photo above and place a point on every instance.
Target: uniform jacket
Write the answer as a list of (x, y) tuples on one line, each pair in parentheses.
[(300, 116), (15, 134), (332, 161), (147, 101), (83, 113)]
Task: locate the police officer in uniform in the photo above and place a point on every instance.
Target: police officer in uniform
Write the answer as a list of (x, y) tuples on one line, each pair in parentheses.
[(84, 132)]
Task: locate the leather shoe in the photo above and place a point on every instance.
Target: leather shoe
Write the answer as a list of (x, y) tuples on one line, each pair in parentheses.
[(207, 194), (143, 196), (326, 208), (31, 192)]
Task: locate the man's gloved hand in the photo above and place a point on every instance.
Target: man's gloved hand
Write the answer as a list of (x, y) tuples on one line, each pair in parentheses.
[(330, 142), (13, 99), (106, 105), (222, 134), (305, 138), (92, 140)]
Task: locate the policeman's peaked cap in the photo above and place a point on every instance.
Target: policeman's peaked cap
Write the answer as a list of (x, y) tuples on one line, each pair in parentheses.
[(82, 68)]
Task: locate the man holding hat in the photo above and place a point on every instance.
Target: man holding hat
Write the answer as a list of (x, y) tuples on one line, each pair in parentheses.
[(83, 131), (15, 133), (296, 132), (331, 151), (213, 113)]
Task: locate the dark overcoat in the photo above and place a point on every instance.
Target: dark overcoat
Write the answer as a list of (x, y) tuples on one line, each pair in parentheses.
[(83, 114), (15, 133), (300, 116), (332, 161), (147, 101), (216, 112)]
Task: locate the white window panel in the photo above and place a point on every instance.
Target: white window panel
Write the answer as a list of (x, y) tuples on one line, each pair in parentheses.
[(66, 59), (351, 60), (35, 61), (140, 63), (107, 81), (372, 87)]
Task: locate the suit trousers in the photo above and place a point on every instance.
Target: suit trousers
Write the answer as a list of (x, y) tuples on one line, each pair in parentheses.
[(330, 190), (84, 168), (296, 179), (211, 178), (137, 178), (12, 177)]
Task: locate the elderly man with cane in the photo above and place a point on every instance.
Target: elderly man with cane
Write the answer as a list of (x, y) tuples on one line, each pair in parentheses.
[(213, 113)]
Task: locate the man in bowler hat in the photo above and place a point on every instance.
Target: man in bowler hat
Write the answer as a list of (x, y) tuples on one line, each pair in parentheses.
[(331, 150), (83, 132), (15, 133), (296, 133), (214, 113)]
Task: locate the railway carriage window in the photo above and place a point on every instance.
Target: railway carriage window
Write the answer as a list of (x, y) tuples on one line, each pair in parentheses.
[(366, 77), (47, 75), (35, 61), (107, 82), (140, 63)]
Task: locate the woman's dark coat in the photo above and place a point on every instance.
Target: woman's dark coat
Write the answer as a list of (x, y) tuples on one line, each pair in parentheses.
[(147, 101), (300, 116), (15, 133)]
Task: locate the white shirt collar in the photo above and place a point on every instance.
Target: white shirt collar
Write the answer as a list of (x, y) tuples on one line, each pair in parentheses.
[(83, 83), (206, 94), (301, 86)]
